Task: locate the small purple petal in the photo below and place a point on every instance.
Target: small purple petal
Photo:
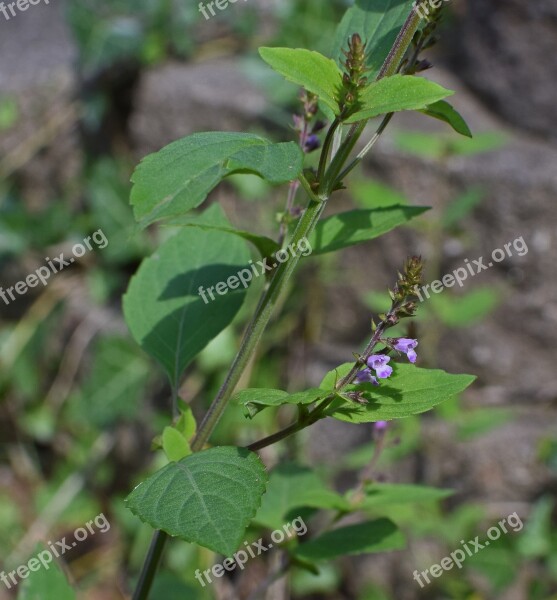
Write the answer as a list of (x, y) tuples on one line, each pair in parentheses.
[(384, 372), (364, 376), (405, 344), (377, 361), (412, 356), (381, 425)]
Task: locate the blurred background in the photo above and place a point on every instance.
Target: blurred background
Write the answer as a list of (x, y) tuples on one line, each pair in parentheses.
[(87, 89)]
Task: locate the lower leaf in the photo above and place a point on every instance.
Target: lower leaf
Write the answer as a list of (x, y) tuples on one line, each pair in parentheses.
[(208, 498)]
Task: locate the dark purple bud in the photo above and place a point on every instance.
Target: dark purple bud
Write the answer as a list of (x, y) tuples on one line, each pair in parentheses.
[(312, 143)]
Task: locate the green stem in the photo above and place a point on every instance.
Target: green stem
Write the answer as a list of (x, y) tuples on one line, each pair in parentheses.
[(151, 565), (255, 329), (327, 144)]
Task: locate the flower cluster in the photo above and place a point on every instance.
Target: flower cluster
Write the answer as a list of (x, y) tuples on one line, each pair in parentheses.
[(379, 363), (354, 78)]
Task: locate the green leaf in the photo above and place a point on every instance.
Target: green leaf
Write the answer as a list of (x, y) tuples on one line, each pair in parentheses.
[(396, 93), (293, 486), (179, 177), (381, 494), (174, 444), (535, 540), (372, 194), (186, 424), (356, 226), (254, 400), (45, 583), (207, 498), (422, 144), (381, 535), (378, 22), (461, 206), (162, 306), (463, 311), (264, 245), (311, 70), (445, 112), (488, 141), (409, 391), (115, 385), (479, 422), (437, 147)]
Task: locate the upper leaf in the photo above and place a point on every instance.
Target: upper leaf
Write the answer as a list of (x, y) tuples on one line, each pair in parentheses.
[(179, 177), (397, 93), (208, 498), (381, 535), (409, 391), (163, 307), (291, 487), (378, 22), (311, 70), (445, 112), (174, 444), (356, 226)]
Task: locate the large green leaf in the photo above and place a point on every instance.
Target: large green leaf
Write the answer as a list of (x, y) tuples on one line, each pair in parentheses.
[(387, 494), (356, 226), (397, 93), (254, 400), (264, 245), (45, 582), (409, 391), (311, 70), (179, 177), (443, 111), (208, 498), (381, 535), (378, 22), (163, 307), (292, 487)]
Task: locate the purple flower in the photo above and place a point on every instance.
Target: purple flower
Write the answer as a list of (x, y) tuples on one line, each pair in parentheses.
[(378, 362), (312, 143), (407, 346), (381, 425), (365, 376)]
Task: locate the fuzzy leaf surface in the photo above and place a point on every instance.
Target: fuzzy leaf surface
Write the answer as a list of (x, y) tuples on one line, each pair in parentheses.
[(207, 498), (179, 177)]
